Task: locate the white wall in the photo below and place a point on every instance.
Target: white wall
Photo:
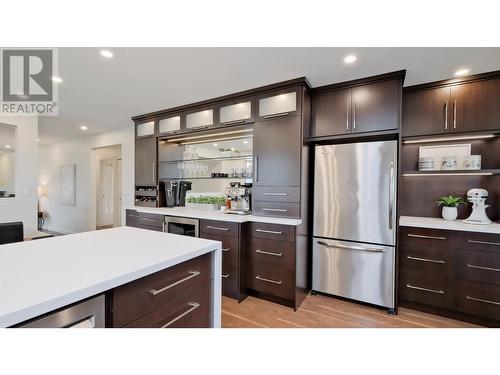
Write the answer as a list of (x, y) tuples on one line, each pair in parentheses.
[(82, 217), (24, 206), (7, 171)]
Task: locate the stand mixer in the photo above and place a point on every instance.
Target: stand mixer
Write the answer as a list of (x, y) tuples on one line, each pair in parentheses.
[(478, 199)]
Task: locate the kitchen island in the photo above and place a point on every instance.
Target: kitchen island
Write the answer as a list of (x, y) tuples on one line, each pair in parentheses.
[(146, 277)]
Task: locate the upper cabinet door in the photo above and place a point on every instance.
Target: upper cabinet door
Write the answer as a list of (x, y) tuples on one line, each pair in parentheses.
[(427, 112), (331, 113), (200, 118), (236, 112), (376, 106), (169, 125), (277, 149), (476, 106), (279, 103), (145, 161), (145, 129)]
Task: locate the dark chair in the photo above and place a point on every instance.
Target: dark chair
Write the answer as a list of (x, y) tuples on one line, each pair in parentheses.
[(11, 232)]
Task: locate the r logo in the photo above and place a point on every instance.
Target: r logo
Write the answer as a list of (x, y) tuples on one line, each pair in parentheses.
[(27, 75)]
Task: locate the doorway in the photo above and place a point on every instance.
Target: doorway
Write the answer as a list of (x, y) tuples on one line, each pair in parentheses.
[(108, 189)]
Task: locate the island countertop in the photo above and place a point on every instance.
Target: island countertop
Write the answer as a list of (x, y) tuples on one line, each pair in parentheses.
[(40, 276)]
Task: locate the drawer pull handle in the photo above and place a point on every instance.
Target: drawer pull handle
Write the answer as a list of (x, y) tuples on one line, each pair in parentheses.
[(482, 300), (234, 122), (276, 194), (269, 280), (226, 275), (217, 228), (276, 115), (225, 249), (269, 253), (425, 260), (275, 209), (425, 289), (483, 268), (427, 237), (484, 242), (268, 231), (355, 248), (147, 219), (192, 274), (193, 305)]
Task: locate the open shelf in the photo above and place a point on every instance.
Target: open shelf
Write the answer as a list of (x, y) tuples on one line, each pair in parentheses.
[(206, 178), (228, 158), (482, 172)]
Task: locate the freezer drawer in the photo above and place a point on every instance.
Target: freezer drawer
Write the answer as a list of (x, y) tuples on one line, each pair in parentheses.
[(358, 271)]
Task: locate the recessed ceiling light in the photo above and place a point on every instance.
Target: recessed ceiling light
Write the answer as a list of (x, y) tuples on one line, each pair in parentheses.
[(107, 54), (215, 144), (83, 127), (245, 141), (461, 72), (38, 139), (350, 59), (56, 79), (7, 146)]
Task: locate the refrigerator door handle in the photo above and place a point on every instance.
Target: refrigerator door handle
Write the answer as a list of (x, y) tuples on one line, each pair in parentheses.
[(391, 193), (355, 248)]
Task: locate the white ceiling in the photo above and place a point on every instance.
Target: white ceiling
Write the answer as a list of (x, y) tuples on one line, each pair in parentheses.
[(105, 94)]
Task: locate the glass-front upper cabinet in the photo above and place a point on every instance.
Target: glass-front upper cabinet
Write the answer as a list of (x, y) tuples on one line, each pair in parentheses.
[(279, 103), (200, 118), (145, 129), (170, 124), (236, 112)]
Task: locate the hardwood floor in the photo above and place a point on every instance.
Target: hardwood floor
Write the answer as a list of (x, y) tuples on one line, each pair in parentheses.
[(325, 312)]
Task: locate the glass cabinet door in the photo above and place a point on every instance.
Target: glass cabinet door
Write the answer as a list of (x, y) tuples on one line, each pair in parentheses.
[(169, 124), (199, 119), (237, 113), (145, 129), (279, 104)]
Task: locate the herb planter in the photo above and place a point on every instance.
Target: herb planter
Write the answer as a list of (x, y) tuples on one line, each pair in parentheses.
[(203, 206)]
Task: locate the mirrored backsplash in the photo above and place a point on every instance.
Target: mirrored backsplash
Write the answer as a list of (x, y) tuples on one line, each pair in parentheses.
[(7, 160)]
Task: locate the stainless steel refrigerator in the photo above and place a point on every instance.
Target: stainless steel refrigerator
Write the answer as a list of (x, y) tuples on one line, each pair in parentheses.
[(355, 221)]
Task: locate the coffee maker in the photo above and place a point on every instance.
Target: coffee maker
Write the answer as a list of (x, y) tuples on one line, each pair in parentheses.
[(175, 192), (240, 197)]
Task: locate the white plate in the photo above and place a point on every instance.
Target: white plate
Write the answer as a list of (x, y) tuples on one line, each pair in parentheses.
[(461, 151)]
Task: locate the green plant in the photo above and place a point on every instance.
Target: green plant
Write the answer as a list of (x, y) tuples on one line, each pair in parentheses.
[(449, 201), (207, 200)]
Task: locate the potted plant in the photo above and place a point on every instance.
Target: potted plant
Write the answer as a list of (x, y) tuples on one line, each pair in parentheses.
[(450, 205)]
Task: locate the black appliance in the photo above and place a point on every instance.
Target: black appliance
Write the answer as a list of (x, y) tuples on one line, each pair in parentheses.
[(171, 193), (184, 187)]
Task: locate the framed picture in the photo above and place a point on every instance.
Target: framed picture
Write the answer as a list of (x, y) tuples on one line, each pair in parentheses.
[(68, 184)]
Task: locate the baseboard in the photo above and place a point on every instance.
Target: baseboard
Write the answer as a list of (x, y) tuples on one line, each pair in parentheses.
[(57, 230)]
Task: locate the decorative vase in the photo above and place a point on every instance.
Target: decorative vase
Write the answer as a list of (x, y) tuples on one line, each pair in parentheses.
[(449, 213)]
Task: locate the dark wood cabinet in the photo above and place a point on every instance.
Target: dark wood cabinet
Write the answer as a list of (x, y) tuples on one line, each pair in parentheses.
[(476, 106), (376, 106), (145, 161), (179, 296), (331, 113), (469, 104), (450, 273), (277, 147), (426, 112), (363, 106), (144, 220), (233, 259)]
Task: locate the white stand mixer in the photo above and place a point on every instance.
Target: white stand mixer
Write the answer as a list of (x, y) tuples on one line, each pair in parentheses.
[(478, 199)]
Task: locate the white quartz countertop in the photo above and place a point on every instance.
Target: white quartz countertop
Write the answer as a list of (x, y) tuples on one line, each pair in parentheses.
[(215, 215), (37, 277), (436, 223)]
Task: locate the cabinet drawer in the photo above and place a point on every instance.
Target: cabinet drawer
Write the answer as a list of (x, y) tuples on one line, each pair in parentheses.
[(276, 209), (192, 310), (477, 299), (478, 266), (427, 243), (276, 194), (267, 279), (230, 263), (219, 228), (272, 231), (132, 218), (478, 241), (431, 292), (271, 253), (142, 296)]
